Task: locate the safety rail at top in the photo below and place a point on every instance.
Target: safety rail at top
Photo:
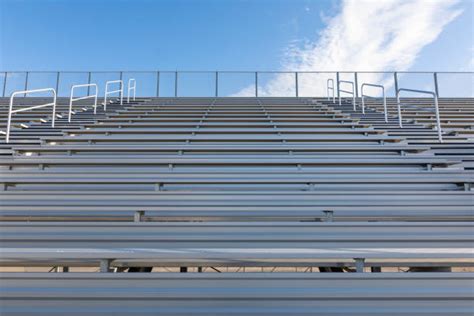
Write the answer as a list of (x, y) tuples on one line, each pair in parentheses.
[(436, 109), (25, 92), (352, 92), (72, 99), (367, 96), (131, 87), (178, 82), (108, 92)]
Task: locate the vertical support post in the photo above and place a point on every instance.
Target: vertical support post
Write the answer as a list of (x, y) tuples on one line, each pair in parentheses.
[(360, 263), (157, 84), (176, 84), (256, 84), (395, 81), (105, 265), (337, 83), (356, 85), (435, 78), (89, 76), (217, 84), (296, 84), (57, 82), (183, 269), (138, 216), (5, 84), (121, 88), (26, 83)]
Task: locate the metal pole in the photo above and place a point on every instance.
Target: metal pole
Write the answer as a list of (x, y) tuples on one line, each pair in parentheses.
[(57, 82), (5, 84), (296, 83), (176, 84), (395, 81), (337, 79), (89, 82), (435, 77), (26, 83), (356, 85), (256, 84), (157, 84), (217, 84)]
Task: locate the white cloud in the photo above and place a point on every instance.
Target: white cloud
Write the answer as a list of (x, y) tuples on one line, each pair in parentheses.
[(380, 35)]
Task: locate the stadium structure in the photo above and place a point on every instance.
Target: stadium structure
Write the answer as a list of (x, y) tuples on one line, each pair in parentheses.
[(352, 203)]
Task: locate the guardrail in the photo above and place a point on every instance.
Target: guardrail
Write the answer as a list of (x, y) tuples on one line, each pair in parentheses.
[(24, 92), (107, 92), (134, 88), (367, 96), (88, 96), (347, 91), (331, 88), (436, 109)]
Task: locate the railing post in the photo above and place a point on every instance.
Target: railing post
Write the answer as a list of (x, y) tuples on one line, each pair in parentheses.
[(435, 78), (296, 84), (337, 84), (395, 81), (5, 84), (157, 84), (256, 84), (356, 85), (26, 83), (57, 83), (121, 87), (217, 84), (176, 84), (89, 82)]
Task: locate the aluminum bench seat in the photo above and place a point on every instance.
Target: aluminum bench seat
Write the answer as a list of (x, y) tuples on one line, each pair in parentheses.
[(223, 294)]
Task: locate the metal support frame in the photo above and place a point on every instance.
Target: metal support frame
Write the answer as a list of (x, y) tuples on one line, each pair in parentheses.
[(5, 84), (359, 263), (367, 96), (57, 81), (339, 90), (26, 83), (130, 88), (435, 100), (107, 92), (331, 88), (157, 84), (435, 81), (10, 109), (256, 84), (72, 99), (296, 84), (176, 84), (105, 265), (217, 84), (337, 80), (356, 82), (89, 77)]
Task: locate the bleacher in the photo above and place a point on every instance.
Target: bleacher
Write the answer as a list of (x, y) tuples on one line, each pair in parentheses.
[(238, 206)]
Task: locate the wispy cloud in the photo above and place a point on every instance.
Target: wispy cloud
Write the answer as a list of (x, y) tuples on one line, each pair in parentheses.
[(370, 35)]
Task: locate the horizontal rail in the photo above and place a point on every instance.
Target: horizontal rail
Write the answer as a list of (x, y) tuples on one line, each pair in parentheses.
[(72, 99), (436, 108), (11, 111), (346, 91), (107, 92), (366, 96)]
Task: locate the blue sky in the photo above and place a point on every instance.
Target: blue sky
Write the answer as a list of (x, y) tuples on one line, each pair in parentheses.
[(236, 35)]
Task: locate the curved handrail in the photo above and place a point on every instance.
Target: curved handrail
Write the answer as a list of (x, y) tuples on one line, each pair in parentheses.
[(435, 99), (383, 96), (346, 91), (331, 88), (72, 99), (107, 92), (10, 109), (129, 88)]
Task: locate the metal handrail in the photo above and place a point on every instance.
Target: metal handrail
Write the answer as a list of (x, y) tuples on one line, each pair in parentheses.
[(72, 99), (435, 99), (107, 92), (10, 109), (134, 88), (346, 91), (367, 96), (331, 88)]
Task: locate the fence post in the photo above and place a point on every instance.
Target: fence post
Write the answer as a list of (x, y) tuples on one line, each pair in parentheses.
[(89, 82), (356, 85), (256, 84), (121, 87), (26, 83), (337, 83), (395, 81), (296, 84), (57, 83), (157, 84), (217, 84), (5, 84), (435, 77), (176, 84)]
